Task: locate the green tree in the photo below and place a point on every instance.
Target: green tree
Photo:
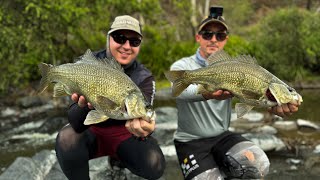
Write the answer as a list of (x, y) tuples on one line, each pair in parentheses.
[(279, 42)]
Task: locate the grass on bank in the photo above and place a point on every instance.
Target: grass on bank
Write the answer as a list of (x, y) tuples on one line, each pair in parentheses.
[(162, 84)]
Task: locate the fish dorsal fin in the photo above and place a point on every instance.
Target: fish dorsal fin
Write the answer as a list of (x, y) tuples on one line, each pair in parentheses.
[(218, 56), (221, 55), (90, 58), (246, 59)]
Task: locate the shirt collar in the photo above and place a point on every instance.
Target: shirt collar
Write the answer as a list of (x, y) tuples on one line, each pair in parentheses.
[(200, 60)]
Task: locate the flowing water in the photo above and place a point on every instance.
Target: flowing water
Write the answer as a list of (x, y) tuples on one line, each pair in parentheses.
[(13, 148)]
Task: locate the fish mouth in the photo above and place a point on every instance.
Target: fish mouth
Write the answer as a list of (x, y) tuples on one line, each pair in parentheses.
[(282, 94), (270, 96)]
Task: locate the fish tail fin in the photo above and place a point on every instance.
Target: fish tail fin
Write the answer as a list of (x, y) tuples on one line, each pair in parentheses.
[(44, 82), (178, 82)]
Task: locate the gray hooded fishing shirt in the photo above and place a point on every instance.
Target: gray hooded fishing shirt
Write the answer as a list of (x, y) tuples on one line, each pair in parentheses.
[(198, 117)]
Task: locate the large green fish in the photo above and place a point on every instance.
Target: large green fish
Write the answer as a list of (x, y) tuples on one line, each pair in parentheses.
[(103, 83), (242, 76)]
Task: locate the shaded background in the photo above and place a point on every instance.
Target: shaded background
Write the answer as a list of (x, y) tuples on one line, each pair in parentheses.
[(283, 35)]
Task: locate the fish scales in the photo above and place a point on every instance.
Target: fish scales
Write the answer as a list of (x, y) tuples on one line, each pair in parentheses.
[(104, 85), (242, 76), (232, 74)]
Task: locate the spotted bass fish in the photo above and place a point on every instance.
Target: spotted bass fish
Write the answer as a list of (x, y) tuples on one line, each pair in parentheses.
[(253, 85), (103, 83)]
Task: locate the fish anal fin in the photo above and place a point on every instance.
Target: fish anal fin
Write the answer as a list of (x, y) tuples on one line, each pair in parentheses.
[(95, 117), (242, 109), (178, 88)]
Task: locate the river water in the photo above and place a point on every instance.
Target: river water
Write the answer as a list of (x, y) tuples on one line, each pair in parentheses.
[(11, 149)]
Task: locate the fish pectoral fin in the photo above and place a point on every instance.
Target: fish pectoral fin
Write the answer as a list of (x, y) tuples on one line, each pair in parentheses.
[(106, 102), (94, 117), (250, 95), (205, 88), (201, 89), (59, 90), (242, 109)]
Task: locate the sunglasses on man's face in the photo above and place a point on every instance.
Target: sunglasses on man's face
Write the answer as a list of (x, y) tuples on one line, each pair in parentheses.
[(207, 35), (122, 39)]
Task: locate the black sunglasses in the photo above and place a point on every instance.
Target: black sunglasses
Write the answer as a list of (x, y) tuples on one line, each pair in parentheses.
[(121, 39), (207, 35)]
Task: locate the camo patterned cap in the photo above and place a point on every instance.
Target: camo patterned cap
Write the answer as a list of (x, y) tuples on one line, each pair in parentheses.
[(125, 22)]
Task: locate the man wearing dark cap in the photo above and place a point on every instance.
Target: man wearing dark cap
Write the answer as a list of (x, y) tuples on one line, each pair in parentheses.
[(127, 143), (206, 149)]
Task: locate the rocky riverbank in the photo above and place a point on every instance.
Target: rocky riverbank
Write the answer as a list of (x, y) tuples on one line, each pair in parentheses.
[(33, 122)]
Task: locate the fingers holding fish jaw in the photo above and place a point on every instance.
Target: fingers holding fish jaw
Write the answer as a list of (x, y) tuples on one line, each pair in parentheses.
[(293, 107), (139, 127), (284, 109), (134, 127), (148, 126)]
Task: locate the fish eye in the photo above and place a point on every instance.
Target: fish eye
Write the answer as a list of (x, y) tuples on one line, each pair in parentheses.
[(290, 89)]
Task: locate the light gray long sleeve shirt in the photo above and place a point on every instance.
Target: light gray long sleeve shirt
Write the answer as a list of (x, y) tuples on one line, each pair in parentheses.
[(198, 117)]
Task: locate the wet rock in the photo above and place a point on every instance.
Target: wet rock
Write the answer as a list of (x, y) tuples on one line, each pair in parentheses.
[(24, 168), (317, 149), (166, 125), (29, 101), (8, 112), (266, 129), (313, 165), (53, 124), (166, 114), (294, 161), (164, 94), (307, 124), (266, 142), (243, 125), (164, 133), (253, 116), (285, 125)]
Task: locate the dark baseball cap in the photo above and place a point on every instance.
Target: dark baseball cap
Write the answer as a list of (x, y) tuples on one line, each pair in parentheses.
[(215, 16)]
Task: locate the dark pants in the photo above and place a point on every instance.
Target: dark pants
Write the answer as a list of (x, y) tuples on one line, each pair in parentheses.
[(142, 157)]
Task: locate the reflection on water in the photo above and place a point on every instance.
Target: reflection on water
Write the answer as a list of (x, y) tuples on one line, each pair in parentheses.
[(309, 109)]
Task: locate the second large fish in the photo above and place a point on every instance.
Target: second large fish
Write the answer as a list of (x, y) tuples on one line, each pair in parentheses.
[(242, 76), (103, 83)]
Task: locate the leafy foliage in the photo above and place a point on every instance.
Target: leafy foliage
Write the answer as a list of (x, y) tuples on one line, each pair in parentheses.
[(286, 41)]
